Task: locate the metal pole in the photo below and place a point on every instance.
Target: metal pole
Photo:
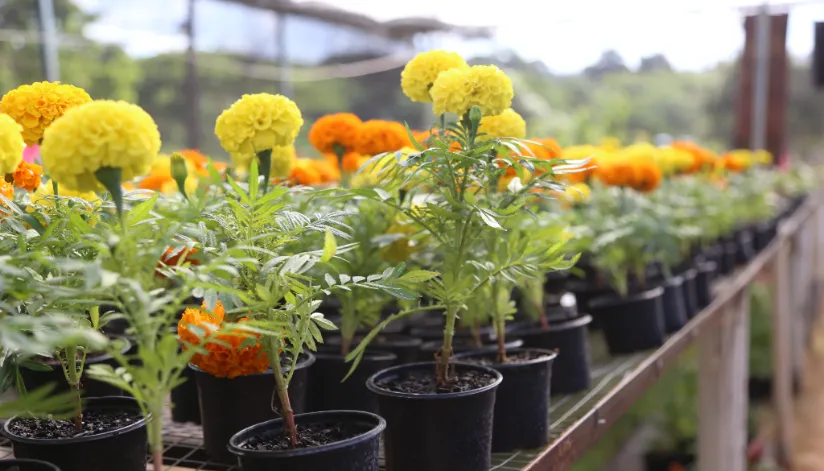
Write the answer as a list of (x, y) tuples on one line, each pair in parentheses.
[(282, 57), (761, 80), (51, 62)]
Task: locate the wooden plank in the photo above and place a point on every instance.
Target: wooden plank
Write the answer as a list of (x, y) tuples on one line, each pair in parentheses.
[(782, 337), (722, 393)]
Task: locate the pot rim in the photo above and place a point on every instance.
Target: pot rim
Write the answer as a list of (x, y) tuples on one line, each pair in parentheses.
[(394, 340), (6, 431), (373, 387), (368, 355), (302, 364), (617, 300), (127, 345), (376, 430), (548, 357), (43, 464), (511, 341), (535, 328)]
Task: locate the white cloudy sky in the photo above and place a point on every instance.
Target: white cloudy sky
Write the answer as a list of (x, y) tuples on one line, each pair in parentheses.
[(566, 35)]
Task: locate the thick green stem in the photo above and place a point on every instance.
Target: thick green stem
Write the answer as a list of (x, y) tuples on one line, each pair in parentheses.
[(285, 404), (73, 378), (155, 430), (445, 355), (349, 324), (265, 158)]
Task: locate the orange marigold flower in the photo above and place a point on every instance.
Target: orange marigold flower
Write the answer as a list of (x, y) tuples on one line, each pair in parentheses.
[(172, 257), (648, 176), (617, 173), (422, 137), (7, 190), (328, 173), (378, 136), (225, 357), (195, 158), (332, 159), (28, 176), (304, 173), (702, 158), (352, 162), (155, 181), (335, 130)]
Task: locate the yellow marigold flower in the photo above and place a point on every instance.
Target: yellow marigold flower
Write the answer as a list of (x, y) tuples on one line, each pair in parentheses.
[(763, 157), (333, 130), (11, 144), (169, 187), (256, 123), (43, 195), (7, 190), (283, 159), (578, 193), (421, 72), (402, 248), (458, 90), (37, 105), (507, 124), (98, 135)]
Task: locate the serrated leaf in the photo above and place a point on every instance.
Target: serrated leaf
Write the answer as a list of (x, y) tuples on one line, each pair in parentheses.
[(330, 280), (418, 276)]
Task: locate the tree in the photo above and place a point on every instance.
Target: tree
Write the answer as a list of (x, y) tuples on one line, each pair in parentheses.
[(610, 62), (655, 63)]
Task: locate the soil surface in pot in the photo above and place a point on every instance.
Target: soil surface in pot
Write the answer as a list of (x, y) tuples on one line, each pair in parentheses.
[(95, 422), (416, 383), (309, 435), (511, 358)]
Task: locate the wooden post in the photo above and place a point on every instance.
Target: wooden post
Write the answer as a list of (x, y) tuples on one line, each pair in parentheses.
[(782, 337), (722, 391)]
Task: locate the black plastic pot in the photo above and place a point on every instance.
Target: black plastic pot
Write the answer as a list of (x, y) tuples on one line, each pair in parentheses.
[(229, 405), (555, 282), (185, 400), (583, 295), (728, 258), (690, 292), (406, 348), (34, 379), (461, 345), (633, 323), (674, 305), (703, 283), (327, 390), (522, 399), (571, 369), (763, 234), (359, 453), (122, 449), (26, 465), (745, 250), (436, 432), (664, 461)]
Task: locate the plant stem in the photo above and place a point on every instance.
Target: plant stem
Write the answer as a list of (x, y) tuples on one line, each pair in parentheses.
[(73, 377), (543, 319), (500, 327), (285, 405), (476, 333), (445, 355), (155, 426)]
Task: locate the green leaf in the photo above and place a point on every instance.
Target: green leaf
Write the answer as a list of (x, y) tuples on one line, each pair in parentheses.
[(323, 322), (419, 276), (330, 246), (489, 219)]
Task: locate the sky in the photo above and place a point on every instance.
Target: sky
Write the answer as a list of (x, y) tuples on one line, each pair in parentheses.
[(566, 35)]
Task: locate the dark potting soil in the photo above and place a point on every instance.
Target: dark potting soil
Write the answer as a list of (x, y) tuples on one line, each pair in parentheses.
[(511, 358), (95, 422), (309, 435), (416, 383)]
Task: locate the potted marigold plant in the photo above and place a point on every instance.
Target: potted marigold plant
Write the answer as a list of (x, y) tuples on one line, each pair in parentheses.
[(427, 405), (554, 321), (632, 316), (522, 402), (271, 284), (117, 432)]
